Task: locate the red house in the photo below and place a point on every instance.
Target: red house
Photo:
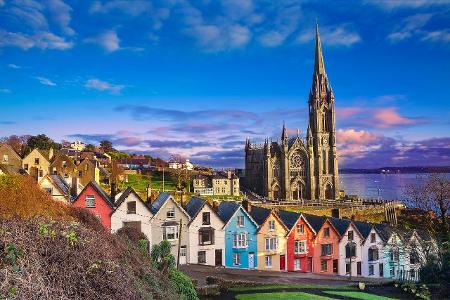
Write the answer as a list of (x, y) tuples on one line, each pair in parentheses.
[(326, 249), (96, 200), (300, 239)]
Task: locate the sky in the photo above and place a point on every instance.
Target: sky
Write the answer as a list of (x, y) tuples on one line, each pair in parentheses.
[(196, 78)]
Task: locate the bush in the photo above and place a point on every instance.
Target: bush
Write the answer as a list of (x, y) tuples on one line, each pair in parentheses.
[(87, 218), (133, 234), (182, 285)]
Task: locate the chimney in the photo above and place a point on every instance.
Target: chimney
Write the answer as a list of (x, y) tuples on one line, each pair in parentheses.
[(149, 193), (113, 192), (229, 174), (74, 186), (335, 213), (50, 154), (246, 205), (215, 205)]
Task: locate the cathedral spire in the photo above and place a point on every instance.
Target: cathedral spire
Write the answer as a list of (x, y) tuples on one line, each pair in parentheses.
[(284, 134), (319, 66)]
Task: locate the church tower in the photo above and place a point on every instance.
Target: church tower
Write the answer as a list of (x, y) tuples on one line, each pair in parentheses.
[(321, 138)]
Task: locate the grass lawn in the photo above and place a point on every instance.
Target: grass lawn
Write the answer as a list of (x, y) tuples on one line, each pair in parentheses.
[(140, 182), (292, 286), (281, 296), (357, 295)]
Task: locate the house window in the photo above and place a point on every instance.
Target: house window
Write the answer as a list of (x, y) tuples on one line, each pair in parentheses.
[(296, 264), (240, 221), (371, 270), (66, 175), (413, 257), (268, 260), (271, 225), (25, 166), (206, 218), (373, 254), (350, 235), (326, 232), (41, 173), (36, 161), (170, 233), (131, 207), (202, 257), (392, 272), (170, 213), (240, 240), (350, 250), (372, 237), (300, 228), (271, 244), (323, 265), (395, 255), (90, 201), (5, 157), (412, 273), (327, 249), (48, 190), (80, 174), (206, 236), (133, 224), (183, 251), (300, 247), (236, 259)]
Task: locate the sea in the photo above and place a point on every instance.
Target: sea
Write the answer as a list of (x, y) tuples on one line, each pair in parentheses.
[(379, 186)]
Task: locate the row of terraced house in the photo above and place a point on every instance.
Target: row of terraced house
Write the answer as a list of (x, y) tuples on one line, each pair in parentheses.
[(236, 235)]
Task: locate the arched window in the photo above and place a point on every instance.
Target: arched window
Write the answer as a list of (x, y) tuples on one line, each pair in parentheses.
[(350, 250), (276, 192), (328, 192), (297, 165), (276, 170)]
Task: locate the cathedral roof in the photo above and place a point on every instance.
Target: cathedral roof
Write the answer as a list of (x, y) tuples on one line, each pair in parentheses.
[(319, 66)]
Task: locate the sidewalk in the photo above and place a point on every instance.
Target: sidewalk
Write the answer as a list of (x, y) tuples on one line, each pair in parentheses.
[(200, 272)]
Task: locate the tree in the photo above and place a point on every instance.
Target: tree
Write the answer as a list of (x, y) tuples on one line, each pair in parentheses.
[(161, 257), (18, 143), (432, 193), (106, 145), (89, 148), (116, 172), (42, 142)]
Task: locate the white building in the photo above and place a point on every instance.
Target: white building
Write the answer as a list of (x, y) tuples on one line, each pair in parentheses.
[(350, 254), (206, 234), (187, 165), (165, 224), (78, 145), (56, 186), (373, 254), (132, 211)]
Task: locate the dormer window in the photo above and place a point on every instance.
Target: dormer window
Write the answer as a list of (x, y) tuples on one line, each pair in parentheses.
[(300, 228), (36, 161), (271, 225), (240, 221), (206, 218), (350, 235), (90, 201), (170, 213), (131, 207)]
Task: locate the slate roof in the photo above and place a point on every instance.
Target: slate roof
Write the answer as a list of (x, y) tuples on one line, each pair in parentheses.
[(384, 231), (7, 169), (124, 195), (194, 206), (289, 218), (363, 227), (227, 209), (60, 183), (341, 225), (316, 222), (159, 201), (259, 214)]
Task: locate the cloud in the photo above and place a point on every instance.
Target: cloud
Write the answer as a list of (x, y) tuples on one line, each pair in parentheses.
[(6, 91), (45, 81), (99, 85), (60, 13), (13, 66), (389, 117), (108, 40), (410, 26), (437, 36), (42, 40), (130, 7), (271, 39), (406, 4), (340, 35)]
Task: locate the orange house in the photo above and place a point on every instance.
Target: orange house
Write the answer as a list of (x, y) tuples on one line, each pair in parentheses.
[(326, 250)]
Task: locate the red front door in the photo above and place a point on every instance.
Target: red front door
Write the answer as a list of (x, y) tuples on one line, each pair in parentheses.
[(282, 263)]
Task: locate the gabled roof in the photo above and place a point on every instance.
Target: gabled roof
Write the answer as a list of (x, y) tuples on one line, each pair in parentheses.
[(11, 149), (316, 222), (159, 201), (384, 231), (9, 170), (59, 182), (259, 214), (289, 218), (124, 195), (341, 225), (99, 190), (194, 206), (364, 228), (227, 210)]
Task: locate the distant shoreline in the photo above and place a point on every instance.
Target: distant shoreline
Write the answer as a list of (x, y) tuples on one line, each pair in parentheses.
[(397, 170)]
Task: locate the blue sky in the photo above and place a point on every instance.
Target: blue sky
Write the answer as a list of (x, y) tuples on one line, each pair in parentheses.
[(197, 77)]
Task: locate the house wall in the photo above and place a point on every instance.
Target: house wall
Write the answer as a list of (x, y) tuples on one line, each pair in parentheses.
[(66, 172), (307, 236), (89, 172), (231, 229), (365, 255), (219, 238), (320, 239), (33, 169), (56, 194), (102, 209), (13, 158), (414, 244), (143, 215), (354, 260), (394, 242), (157, 228), (277, 255)]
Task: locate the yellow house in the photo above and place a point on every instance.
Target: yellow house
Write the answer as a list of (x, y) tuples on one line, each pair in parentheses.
[(271, 239), (37, 163)]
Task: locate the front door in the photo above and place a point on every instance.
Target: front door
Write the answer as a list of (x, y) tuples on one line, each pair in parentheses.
[(381, 270), (309, 264), (358, 268), (282, 263), (335, 266), (218, 257), (251, 260), (183, 254)]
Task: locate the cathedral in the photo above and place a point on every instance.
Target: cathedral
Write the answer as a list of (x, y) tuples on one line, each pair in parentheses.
[(297, 169)]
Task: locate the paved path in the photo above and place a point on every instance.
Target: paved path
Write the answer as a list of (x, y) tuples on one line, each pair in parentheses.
[(200, 272)]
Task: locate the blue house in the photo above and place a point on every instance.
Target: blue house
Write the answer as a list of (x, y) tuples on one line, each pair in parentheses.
[(240, 236)]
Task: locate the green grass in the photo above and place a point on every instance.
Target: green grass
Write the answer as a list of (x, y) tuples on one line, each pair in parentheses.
[(357, 295), (281, 296), (292, 286), (140, 182)]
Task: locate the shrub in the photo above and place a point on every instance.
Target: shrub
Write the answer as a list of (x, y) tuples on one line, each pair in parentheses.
[(132, 234), (182, 285), (87, 218)]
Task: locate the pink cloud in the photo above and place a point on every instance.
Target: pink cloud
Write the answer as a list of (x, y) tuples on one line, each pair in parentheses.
[(345, 112), (389, 117), (356, 136)]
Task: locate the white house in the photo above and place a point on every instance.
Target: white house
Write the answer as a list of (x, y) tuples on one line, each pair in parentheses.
[(414, 256), (372, 254), (78, 145), (132, 211), (206, 234), (350, 254), (167, 218), (56, 186)]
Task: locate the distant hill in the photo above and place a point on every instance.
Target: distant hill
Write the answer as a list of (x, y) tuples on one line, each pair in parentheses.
[(397, 170)]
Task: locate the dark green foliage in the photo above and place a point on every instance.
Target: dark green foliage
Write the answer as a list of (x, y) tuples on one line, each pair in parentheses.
[(89, 148), (42, 142), (106, 145), (182, 285), (161, 257)]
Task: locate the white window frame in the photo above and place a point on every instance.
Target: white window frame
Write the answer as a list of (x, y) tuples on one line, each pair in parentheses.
[(271, 225), (268, 261), (240, 240), (298, 247), (240, 221), (170, 214), (371, 270), (90, 198), (166, 233), (297, 264), (236, 259), (271, 244), (183, 251), (302, 226)]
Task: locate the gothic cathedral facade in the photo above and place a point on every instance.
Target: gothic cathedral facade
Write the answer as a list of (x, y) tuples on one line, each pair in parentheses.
[(297, 169)]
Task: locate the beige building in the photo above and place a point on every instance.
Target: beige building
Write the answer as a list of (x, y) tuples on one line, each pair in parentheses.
[(297, 169), (57, 187), (64, 166), (87, 170), (9, 157), (221, 183), (37, 163)]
